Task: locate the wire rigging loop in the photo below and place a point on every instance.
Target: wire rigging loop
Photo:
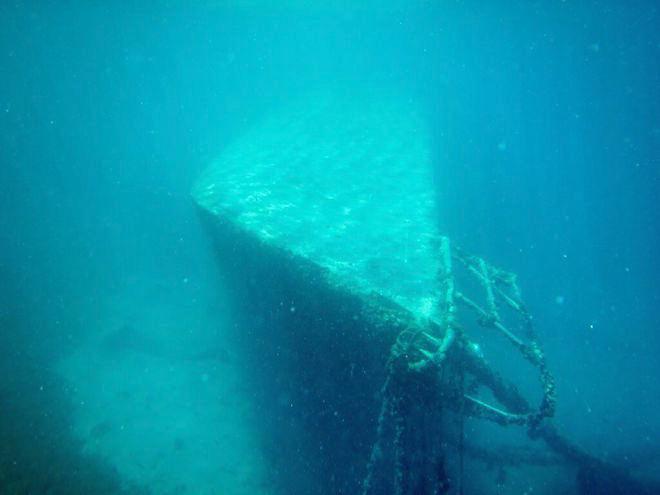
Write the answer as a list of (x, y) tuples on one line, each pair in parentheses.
[(441, 347), (501, 290)]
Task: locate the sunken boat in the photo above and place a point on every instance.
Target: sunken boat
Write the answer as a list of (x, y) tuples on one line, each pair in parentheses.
[(365, 327)]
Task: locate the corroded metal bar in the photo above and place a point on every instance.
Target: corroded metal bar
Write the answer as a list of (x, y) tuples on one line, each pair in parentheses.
[(488, 285), (486, 320)]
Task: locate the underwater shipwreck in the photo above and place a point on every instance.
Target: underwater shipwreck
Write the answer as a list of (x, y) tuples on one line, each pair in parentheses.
[(368, 329)]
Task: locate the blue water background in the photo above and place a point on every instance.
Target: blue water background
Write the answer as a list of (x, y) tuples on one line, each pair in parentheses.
[(545, 121)]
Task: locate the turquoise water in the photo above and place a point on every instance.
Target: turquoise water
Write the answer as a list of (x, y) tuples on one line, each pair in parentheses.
[(527, 132)]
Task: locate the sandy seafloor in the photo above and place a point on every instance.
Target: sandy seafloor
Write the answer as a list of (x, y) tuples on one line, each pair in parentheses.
[(161, 399)]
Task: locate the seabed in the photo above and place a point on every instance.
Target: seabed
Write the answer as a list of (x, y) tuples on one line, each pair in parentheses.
[(158, 400)]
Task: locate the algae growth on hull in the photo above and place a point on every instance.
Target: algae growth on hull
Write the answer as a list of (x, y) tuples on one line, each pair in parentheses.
[(324, 219), (344, 180)]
